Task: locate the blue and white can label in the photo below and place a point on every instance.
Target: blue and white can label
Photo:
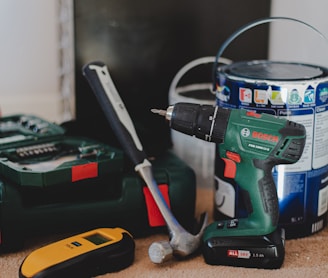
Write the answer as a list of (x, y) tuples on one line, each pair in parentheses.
[(300, 93)]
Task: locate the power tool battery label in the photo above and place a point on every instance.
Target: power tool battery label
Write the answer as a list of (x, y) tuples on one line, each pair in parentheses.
[(302, 187)]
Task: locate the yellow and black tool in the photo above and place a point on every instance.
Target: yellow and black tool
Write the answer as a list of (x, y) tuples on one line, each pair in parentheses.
[(88, 254)]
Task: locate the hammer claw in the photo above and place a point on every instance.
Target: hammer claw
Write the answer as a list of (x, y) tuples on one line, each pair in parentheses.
[(182, 243)]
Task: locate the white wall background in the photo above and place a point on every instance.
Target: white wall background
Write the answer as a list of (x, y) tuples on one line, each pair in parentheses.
[(293, 41), (30, 57)]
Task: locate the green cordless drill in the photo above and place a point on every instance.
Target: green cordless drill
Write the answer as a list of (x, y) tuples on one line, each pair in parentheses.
[(250, 144)]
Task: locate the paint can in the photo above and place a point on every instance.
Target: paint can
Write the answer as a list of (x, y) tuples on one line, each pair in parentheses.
[(299, 92)]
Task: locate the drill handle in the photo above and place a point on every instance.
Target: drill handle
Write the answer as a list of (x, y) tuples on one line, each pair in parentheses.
[(254, 176), (268, 191)]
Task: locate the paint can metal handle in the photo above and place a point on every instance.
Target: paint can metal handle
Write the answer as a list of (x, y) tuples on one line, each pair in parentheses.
[(251, 25)]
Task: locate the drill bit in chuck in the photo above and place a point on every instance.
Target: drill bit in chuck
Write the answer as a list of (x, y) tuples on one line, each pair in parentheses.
[(165, 113), (159, 112)]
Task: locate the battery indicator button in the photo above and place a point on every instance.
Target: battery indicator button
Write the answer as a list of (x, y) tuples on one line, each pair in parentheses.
[(240, 254), (244, 254)]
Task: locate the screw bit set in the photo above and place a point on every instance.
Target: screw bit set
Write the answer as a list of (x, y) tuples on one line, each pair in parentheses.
[(34, 152)]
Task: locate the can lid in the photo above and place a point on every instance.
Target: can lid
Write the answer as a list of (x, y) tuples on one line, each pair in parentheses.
[(270, 70)]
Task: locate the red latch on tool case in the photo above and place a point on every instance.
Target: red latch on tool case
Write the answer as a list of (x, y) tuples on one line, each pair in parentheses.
[(84, 171), (155, 217)]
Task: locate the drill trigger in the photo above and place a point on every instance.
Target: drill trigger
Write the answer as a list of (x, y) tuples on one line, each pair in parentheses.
[(230, 168)]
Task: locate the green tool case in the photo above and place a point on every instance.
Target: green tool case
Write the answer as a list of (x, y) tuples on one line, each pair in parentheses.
[(34, 152), (53, 183)]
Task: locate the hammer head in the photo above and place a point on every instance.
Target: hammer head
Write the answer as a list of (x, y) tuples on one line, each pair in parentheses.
[(184, 243), (181, 245)]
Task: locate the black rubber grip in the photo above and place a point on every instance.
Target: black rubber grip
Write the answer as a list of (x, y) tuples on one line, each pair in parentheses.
[(268, 192), (124, 135)]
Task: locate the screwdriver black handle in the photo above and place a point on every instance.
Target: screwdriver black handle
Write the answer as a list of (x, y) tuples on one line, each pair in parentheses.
[(100, 81)]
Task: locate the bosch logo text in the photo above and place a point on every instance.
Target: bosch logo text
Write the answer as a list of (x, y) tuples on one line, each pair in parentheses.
[(265, 136)]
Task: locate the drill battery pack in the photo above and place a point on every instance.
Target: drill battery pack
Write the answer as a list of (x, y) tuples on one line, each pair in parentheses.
[(267, 251), (53, 183)]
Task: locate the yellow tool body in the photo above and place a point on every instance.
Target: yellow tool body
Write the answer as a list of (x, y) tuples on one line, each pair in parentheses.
[(88, 254)]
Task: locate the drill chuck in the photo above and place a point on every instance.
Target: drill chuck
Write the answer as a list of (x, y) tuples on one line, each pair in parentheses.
[(206, 122)]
